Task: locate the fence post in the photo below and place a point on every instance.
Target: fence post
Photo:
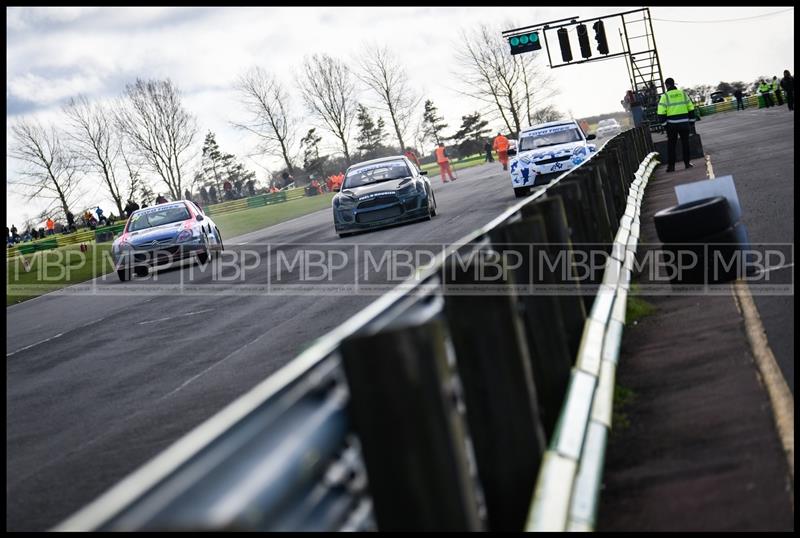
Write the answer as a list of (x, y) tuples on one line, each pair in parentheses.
[(499, 391), (552, 210), (543, 319), (412, 436)]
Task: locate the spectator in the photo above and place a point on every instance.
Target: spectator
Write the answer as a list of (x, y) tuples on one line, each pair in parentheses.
[(8, 234), (487, 147), (787, 84), (212, 192), (633, 103), (251, 187), (144, 204), (204, 195), (27, 235), (161, 199), (228, 188), (51, 226), (273, 188), (131, 207), (187, 195), (287, 180), (14, 234), (100, 218), (776, 89), (739, 99), (35, 233)]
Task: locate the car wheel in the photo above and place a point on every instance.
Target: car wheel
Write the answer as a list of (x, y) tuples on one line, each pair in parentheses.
[(124, 274), (343, 235), (522, 192), (432, 198), (221, 246), (141, 270), (203, 256)]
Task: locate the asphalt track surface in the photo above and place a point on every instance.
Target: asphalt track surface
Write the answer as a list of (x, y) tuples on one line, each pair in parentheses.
[(103, 377)]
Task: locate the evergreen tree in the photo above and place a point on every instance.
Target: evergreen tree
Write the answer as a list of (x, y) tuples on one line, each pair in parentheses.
[(312, 162), (370, 134), (472, 128), (432, 123)]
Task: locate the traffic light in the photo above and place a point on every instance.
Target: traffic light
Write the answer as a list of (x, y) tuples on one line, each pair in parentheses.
[(583, 41), (600, 36), (563, 41), (524, 43)]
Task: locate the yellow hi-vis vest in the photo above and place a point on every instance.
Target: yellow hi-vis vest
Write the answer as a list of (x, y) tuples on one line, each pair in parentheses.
[(765, 88), (676, 106)]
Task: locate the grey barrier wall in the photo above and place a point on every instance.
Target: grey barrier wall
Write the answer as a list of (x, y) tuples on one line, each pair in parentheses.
[(434, 408)]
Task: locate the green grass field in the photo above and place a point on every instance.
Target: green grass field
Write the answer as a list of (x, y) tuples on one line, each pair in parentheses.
[(50, 270), (472, 160), (249, 220)]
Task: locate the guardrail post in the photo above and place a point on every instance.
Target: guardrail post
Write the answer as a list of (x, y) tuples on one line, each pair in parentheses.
[(543, 320), (412, 436), (552, 211), (499, 391)]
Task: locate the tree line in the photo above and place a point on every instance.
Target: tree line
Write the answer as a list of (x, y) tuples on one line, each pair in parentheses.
[(146, 138)]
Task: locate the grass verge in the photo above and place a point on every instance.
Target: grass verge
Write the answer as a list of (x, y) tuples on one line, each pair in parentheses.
[(474, 160), (250, 220)]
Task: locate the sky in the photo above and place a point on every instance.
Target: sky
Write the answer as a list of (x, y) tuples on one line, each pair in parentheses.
[(56, 53)]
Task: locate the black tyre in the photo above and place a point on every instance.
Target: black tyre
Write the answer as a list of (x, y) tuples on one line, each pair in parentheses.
[(522, 192), (141, 270), (432, 199), (719, 257), (204, 256), (693, 220), (124, 274), (343, 235), (221, 246)]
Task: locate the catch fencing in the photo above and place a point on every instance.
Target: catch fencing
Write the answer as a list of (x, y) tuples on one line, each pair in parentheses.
[(443, 405)]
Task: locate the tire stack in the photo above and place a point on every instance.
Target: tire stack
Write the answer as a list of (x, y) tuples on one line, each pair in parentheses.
[(704, 230)]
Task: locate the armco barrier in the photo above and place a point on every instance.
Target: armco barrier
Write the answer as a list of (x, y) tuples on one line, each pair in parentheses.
[(254, 201), (477, 404)]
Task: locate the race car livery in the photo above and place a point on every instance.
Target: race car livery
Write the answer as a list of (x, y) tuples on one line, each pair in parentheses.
[(164, 233), (546, 151), (380, 193)]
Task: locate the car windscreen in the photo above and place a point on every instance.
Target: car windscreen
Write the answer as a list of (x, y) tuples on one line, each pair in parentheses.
[(374, 173), (549, 137), (157, 216)]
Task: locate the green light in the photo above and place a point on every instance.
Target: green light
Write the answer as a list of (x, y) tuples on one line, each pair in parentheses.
[(534, 38), (523, 39), (514, 41)]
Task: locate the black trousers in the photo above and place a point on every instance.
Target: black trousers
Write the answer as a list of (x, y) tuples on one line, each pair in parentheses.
[(790, 99), (767, 100), (673, 131), (778, 97)]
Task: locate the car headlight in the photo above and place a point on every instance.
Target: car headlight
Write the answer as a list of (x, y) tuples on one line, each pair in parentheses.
[(185, 235), (343, 202), (407, 190)]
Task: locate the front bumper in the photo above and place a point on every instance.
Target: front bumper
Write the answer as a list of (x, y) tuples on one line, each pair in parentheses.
[(353, 219), (164, 254)]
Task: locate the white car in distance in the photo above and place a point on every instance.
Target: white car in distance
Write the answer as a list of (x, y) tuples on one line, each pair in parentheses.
[(608, 127)]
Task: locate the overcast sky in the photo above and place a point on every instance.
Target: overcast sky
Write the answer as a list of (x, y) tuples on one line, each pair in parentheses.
[(55, 53)]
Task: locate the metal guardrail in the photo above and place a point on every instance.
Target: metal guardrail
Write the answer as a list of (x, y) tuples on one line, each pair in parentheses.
[(569, 481), (447, 427), (250, 202)]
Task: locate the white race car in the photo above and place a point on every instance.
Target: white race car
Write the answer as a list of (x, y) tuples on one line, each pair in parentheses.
[(608, 127), (546, 151)]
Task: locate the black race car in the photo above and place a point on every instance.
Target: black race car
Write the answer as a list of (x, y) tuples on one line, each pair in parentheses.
[(380, 193)]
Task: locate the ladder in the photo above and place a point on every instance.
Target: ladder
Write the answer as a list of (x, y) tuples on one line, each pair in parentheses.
[(644, 69)]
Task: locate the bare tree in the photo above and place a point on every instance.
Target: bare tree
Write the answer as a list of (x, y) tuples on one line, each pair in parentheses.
[(96, 142), (159, 129), (511, 87), (329, 93), (268, 103), (50, 169), (384, 75)]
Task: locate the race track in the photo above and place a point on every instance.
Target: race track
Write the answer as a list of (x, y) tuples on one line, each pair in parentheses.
[(98, 384)]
